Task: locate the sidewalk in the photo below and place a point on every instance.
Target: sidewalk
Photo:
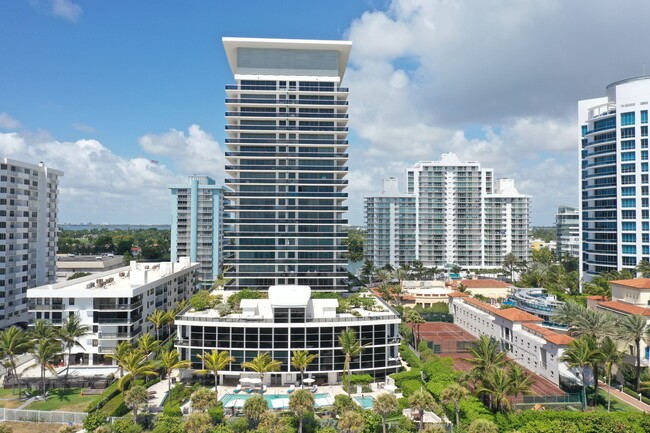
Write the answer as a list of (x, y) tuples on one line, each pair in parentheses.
[(626, 398)]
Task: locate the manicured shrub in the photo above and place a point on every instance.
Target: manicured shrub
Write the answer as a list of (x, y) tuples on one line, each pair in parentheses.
[(94, 420), (410, 386), (125, 425)]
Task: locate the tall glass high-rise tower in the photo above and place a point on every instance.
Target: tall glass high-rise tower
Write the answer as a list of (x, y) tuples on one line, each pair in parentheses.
[(287, 152), (614, 206)]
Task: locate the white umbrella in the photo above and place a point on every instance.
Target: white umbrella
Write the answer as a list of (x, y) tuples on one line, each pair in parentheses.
[(245, 380), (390, 388), (255, 380), (308, 380)]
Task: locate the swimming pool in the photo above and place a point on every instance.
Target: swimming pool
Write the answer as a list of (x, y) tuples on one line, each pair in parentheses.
[(365, 401), (275, 401)]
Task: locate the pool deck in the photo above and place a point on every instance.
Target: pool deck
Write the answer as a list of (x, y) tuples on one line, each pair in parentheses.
[(332, 390)]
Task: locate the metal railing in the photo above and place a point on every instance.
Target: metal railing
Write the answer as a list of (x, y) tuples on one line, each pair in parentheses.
[(54, 417)]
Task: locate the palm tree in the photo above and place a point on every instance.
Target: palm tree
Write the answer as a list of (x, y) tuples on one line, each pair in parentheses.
[(383, 275), (120, 352), (412, 316), (135, 364), (497, 386), (351, 421), (170, 361), (254, 409), (301, 360), (421, 401), (486, 356), (262, 364), (634, 328), (134, 398), (418, 269), (611, 357), (42, 330), (401, 274), (454, 393), (520, 381), (352, 348), (14, 342), (46, 353), (147, 344), (301, 403), (510, 263), (567, 312), (158, 319), (643, 268), (384, 405), (579, 354), (204, 399), (214, 362), (71, 330), (368, 269)]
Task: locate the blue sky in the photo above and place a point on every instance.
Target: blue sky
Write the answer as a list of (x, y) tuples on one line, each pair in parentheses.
[(101, 88)]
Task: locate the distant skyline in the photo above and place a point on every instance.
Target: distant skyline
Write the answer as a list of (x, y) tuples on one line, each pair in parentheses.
[(128, 97)]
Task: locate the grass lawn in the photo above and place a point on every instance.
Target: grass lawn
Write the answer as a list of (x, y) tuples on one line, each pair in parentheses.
[(67, 400), (617, 405), (9, 392), (32, 427)]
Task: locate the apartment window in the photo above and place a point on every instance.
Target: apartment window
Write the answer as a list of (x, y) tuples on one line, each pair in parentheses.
[(627, 145), (628, 202), (627, 119), (627, 133)]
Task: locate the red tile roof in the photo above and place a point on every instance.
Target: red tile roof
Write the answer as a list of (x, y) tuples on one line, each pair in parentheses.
[(512, 314), (549, 335), (485, 284), (626, 308), (637, 283), (598, 298), (458, 295)]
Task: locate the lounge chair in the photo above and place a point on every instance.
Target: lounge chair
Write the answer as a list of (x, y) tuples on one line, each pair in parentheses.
[(314, 389), (291, 389), (249, 390), (236, 390), (263, 389)]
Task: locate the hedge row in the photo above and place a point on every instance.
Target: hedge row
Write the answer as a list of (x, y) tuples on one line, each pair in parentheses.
[(104, 398), (409, 357), (635, 394), (573, 422)]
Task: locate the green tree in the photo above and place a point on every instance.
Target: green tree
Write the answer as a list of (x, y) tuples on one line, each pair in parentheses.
[(368, 269), (213, 362), (254, 409), (158, 319), (352, 348), (421, 401), (301, 403), (355, 242), (342, 403), (70, 332), (497, 386), (611, 357), (46, 352), (580, 354), (78, 275), (486, 356), (453, 394), (384, 405), (510, 263), (272, 422), (482, 425), (413, 317), (301, 360), (170, 361), (262, 364), (198, 422), (13, 343), (634, 328), (43, 330), (543, 256), (134, 398), (351, 421), (643, 268), (120, 352), (147, 344), (203, 400), (135, 364), (519, 381)]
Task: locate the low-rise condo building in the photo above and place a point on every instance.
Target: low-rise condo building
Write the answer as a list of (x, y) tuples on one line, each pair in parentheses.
[(114, 304), (520, 334), (291, 320)]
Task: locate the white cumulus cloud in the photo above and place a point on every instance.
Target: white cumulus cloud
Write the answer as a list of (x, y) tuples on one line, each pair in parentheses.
[(8, 122)]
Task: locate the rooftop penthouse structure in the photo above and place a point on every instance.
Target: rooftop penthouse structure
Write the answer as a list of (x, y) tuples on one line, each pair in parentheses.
[(291, 320), (536, 301), (114, 304)]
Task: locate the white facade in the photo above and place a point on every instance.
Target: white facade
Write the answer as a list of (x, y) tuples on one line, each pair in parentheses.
[(462, 218), (390, 226), (287, 145), (519, 333), (290, 320), (567, 231), (114, 304), (28, 234), (614, 212)]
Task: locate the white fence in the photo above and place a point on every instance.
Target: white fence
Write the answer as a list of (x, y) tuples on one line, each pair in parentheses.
[(42, 416)]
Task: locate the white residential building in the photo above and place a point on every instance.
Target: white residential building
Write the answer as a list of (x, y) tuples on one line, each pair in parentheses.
[(614, 205), (287, 117), (197, 225), (567, 231), (114, 304), (28, 234), (461, 217), (291, 320), (390, 226), (519, 333)]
